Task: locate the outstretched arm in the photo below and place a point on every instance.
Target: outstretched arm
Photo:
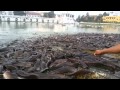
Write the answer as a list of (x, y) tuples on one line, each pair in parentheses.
[(114, 50)]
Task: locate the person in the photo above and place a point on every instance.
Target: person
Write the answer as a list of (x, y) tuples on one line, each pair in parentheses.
[(112, 50)]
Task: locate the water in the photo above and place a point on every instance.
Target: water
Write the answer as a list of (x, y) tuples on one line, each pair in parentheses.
[(12, 31)]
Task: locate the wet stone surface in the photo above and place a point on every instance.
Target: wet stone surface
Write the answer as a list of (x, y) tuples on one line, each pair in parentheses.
[(60, 57)]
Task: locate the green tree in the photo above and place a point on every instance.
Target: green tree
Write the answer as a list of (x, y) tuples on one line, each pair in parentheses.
[(78, 19), (51, 14), (21, 13), (45, 15), (83, 18), (72, 16), (91, 19), (99, 18), (87, 17), (105, 14)]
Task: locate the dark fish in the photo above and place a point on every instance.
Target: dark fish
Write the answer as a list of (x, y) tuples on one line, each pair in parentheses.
[(3, 49), (78, 62), (100, 65), (57, 63), (1, 68), (33, 58), (9, 67), (64, 70), (27, 75)]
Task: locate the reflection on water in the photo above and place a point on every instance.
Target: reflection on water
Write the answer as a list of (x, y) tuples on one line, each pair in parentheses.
[(111, 29), (10, 30), (20, 26)]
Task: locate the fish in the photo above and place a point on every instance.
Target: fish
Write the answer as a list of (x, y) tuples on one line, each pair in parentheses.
[(8, 75)]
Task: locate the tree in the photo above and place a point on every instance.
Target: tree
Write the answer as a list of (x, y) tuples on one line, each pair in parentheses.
[(99, 18), (78, 19), (21, 13), (72, 16), (105, 14), (87, 14), (87, 17), (51, 14), (45, 15), (83, 18), (91, 18)]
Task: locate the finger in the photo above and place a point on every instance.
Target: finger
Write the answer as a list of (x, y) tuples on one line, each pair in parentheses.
[(94, 54)]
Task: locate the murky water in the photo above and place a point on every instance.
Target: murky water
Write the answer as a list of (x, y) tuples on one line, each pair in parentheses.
[(12, 31)]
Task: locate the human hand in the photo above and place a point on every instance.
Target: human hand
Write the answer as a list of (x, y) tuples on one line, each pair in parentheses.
[(98, 52)]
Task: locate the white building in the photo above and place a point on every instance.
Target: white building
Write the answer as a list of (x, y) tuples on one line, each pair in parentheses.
[(36, 16), (6, 13), (33, 14), (65, 18)]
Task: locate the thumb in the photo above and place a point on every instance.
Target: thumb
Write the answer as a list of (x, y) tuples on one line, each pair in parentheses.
[(94, 54)]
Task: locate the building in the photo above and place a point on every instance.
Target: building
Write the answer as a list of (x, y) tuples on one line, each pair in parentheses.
[(24, 13), (111, 19), (65, 18), (114, 17), (34, 14), (6, 13)]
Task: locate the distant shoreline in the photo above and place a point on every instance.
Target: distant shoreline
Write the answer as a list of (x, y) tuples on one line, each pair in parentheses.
[(99, 23)]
